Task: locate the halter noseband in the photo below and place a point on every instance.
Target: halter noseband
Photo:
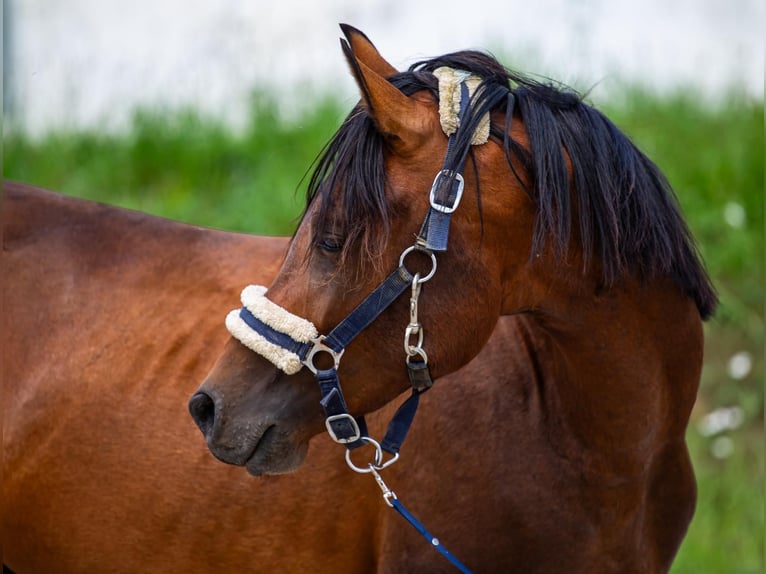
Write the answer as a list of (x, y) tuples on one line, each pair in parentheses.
[(291, 342)]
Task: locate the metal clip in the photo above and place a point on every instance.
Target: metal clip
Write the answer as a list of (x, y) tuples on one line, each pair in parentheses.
[(414, 328), (388, 494), (416, 283), (409, 332)]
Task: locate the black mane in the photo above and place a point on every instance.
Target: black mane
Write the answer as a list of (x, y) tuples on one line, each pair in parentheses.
[(627, 213)]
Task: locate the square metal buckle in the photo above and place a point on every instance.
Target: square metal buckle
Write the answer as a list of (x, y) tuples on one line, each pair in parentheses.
[(432, 197), (331, 419)]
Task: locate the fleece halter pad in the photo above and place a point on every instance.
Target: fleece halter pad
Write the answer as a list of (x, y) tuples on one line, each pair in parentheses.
[(451, 82), (279, 319)]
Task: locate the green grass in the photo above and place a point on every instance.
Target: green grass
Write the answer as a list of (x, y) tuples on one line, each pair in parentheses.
[(726, 535), (184, 166)]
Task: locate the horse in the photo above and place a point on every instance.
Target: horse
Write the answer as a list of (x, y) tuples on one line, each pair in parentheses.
[(549, 226), (111, 318)]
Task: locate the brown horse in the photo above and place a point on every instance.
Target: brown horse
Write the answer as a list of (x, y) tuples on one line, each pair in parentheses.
[(110, 318), (567, 228)]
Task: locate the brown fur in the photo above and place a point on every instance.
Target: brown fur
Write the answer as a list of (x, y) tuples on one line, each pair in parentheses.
[(111, 318)]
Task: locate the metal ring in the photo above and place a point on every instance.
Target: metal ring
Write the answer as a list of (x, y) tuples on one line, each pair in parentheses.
[(388, 463), (412, 351), (409, 250), (408, 334), (378, 457), (320, 347)]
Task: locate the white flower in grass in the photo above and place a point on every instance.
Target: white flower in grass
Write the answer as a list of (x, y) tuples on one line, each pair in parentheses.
[(719, 420), (722, 447), (734, 214), (739, 365)]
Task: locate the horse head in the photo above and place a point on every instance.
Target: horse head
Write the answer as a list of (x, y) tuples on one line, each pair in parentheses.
[(547, 186)]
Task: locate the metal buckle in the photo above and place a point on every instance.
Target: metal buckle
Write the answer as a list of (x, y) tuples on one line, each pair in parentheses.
[(331, 419), (320, 347), (432, 196)]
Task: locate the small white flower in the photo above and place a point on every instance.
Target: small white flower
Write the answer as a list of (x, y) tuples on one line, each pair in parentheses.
[(722, 447), (719, 420), (734, 214), (740, 365)]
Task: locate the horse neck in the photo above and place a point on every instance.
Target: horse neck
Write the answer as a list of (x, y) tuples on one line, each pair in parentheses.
[(621, 368)]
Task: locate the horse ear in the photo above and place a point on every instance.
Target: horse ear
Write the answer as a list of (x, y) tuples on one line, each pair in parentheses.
[(366, 52), (394, 113)]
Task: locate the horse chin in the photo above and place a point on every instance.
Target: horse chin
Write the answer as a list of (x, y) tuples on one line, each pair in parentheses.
[(276, 454)]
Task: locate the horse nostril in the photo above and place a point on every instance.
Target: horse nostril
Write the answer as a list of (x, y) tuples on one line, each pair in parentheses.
[(202, 410)]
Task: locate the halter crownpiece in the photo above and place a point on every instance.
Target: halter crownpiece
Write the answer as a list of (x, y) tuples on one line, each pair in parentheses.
[(451, 84)]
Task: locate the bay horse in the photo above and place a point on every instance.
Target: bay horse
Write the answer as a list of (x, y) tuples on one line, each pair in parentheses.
[(110, 319), (565, 229)]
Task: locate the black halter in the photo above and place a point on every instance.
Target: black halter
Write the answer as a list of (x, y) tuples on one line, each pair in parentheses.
[(343, 428), (445, 195)]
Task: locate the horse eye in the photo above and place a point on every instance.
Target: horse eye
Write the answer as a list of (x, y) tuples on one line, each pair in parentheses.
[(330, 244)]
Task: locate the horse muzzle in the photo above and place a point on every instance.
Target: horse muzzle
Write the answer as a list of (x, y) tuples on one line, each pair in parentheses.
[(264, 424)]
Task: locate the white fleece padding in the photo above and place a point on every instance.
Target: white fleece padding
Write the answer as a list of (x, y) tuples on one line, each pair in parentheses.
[(449, 101), (281, 358), (276, 317)]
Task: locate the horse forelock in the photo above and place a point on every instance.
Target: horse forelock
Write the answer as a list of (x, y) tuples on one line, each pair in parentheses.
[(626, 213)]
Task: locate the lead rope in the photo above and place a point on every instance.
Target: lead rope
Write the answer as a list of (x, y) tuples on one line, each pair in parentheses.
[(416, 360), (420, 377), (393, 501)]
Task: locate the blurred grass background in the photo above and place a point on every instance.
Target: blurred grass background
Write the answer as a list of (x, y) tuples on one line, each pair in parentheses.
[(182, 165)]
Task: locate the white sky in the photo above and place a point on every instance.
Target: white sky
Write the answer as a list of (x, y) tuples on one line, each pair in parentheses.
[(89, 62)]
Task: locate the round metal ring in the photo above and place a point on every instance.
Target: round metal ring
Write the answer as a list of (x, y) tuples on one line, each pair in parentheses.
[(378, 457), (412, 351), (412, 248), (408, 334), (320, 347)]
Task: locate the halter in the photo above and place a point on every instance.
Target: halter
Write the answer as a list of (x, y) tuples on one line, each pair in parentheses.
[(291, 342)]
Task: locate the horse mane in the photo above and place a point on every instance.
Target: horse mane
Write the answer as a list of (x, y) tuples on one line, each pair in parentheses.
[(626, 212)]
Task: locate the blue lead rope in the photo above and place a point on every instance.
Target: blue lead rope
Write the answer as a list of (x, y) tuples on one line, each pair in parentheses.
[(391, 499), (432, 540)]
